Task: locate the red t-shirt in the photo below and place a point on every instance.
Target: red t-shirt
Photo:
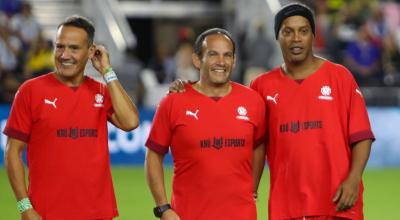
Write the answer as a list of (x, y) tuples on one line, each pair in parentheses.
[(66, 132), (212, 146), (312, 125)]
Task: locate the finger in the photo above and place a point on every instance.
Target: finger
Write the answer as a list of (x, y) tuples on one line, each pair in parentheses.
[(178, 84), (352, 200), (181, 85), (103, 51), (341, 203), (172, 87), (339, 206), (100, 47), (337, 195), (347, 203)]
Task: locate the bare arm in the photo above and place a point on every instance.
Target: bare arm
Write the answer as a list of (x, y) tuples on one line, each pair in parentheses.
[(125, 115), (347, 193), (15, 167), (258, 167), (16, 174), (154, 171)]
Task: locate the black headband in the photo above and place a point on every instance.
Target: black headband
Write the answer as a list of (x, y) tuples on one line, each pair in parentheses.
[(293, 10)]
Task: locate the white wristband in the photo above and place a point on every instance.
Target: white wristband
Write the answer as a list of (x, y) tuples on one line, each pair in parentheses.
[(24, 205), (110, 76)]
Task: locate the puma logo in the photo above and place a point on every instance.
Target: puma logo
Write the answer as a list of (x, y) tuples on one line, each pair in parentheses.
[(270, 98), (194, 114), (53, 103)]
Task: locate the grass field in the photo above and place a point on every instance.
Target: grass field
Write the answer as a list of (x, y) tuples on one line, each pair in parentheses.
[(381, 198)]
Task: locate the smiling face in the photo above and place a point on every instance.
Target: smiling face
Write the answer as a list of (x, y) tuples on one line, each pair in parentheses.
[(217, 60), (71, 52), (296, 39)]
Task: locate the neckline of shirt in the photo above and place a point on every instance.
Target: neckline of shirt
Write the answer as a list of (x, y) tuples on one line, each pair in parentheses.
[(189, 87), (311, 76), (73, 88)]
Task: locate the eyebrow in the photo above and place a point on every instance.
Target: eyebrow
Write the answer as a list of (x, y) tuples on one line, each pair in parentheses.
[(214, 51), (68, 45)]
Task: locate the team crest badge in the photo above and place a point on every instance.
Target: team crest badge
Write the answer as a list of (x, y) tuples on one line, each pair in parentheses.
[(99, 99), (242, 113), (326, 93)]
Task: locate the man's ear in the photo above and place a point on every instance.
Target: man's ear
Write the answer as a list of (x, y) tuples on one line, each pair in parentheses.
[(196, 60), (92, 50)]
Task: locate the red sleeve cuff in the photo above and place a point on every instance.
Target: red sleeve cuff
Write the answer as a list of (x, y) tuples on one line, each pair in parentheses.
[(110, 112), (259, 141), (156, 147), (14, 133), (361, 135)]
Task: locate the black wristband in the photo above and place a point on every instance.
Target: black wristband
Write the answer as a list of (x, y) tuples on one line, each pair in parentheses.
[(159, 210)]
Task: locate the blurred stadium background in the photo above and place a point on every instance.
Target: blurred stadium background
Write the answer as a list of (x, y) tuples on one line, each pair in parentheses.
[(150, 44)]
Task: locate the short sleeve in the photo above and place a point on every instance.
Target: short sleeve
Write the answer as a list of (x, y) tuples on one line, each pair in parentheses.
[(161, 130), (260, 122), (19, 123), (254, 85), (359, 125)]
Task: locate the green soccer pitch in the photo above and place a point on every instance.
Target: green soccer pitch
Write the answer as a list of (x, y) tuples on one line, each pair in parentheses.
[(381, 195)]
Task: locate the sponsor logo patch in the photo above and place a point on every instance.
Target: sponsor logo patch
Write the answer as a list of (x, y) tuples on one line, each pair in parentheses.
[(326, 93), (242, 113)]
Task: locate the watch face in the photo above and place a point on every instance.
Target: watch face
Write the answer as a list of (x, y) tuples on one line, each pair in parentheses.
[(156, 212)]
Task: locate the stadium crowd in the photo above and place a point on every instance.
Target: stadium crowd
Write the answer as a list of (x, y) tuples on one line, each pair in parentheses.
[(364, 35), (24, 52)]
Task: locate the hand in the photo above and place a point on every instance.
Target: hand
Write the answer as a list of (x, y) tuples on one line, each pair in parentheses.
[(347, 194), (170, 214), (178, 86), (30, 214), (100, 59)]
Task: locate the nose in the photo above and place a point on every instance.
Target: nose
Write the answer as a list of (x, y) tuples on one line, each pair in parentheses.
[(221, 60), (65, 54), (297, 36)]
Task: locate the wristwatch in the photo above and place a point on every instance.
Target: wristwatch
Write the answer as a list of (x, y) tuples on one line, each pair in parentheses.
[(159, 210)]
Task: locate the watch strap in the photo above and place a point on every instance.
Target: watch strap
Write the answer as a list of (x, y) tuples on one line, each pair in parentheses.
[(159, 210)]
